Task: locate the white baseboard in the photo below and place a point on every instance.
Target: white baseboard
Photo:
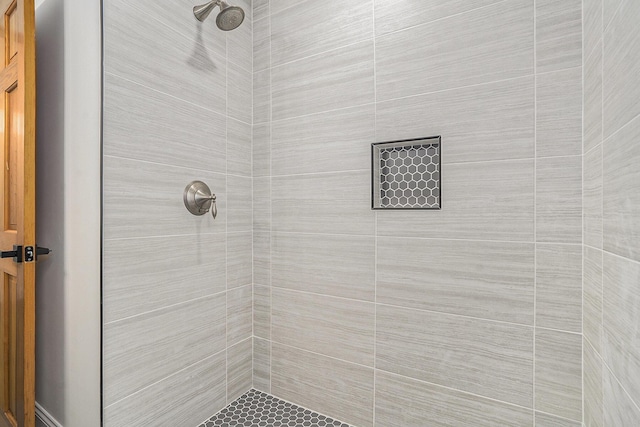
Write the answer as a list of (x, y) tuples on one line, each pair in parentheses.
[(45, 417)]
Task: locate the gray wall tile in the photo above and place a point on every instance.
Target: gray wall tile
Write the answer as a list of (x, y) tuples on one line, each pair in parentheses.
[(559, 287), (142, 350), (261, 44), (621, 299), (158, 56), (239, 93), (335, 327), (558, 382), (342, 266), (487, 44), (622, 193), (239, 246), (559, 199), (609, 9), (311, 27), (394, 16), (487, 358), (262, 258), (185, 398), (337, 203), (132, 187), (143, 124), (326, 142), (480, 279), (262, 365), (239, 369), (324, 82), (262, 96), (621, 100), (240, 40), (558, 34), (261, 150), (592, 321), (328, 385), (402, 401), (593, 405), (488, 201), (136, 280), (260, 10), (593, 98), (619, 409), (592, 197), (592, 30), (239, 203), (239, 314), (559, 113), (262, 311), (546, 420), (498, 116), (239, 150)]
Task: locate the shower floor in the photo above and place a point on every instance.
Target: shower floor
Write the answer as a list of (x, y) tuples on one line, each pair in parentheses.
[(258, 409)]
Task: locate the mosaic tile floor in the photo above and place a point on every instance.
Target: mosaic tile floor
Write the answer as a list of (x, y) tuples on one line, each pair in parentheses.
[(258, 409)]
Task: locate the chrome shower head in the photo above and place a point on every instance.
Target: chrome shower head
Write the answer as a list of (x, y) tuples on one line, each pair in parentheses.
[(229, 18)]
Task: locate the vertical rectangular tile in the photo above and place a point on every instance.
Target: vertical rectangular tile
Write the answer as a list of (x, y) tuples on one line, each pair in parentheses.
[(239, 247), (342, 266), (559, 113), (141, 350), (262, 204), (239, 93), (325, 142), (480, 279), (592, 29), (261, 150), (592, 96), (487, 358), (402, 401), (324, 82), (337, 203), (239, 314), (480, 201), (558, 385), (311, 27), (592, 197), (262, 311), (327, 385), (483, 45), (621, 211), (592, 298), (261, 44), (593, 405), (239, 148), (240, 40), (260, 10), (559, 287), (262, 96), (239, 369), (239, 203), (185, 398), (621, 299), (559, 200), (558, 34), (335, 327), (498, 116), (262, 365), (621, 98), (261, 258)]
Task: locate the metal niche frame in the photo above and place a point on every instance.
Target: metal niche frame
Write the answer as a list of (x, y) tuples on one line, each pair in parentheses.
[(406, 174)]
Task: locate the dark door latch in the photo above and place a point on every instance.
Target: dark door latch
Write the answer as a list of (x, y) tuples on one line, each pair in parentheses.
[(30, 253)]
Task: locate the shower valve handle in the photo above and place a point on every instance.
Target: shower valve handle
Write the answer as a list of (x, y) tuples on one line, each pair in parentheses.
[(199, 200)]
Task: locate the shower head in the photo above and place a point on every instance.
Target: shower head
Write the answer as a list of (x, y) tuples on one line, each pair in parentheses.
[(229, 18)]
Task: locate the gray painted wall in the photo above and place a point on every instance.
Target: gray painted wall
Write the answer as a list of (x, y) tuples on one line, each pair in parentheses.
[(176, 287), (68, 198), (612, 213), (471, 315)]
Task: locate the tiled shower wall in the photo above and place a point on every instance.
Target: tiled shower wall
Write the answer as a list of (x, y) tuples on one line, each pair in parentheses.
[(176, 288), (612, 213), (471, 315)]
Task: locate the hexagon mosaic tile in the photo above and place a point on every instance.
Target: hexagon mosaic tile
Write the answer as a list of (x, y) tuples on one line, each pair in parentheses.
[(407, 175), (258, 409)]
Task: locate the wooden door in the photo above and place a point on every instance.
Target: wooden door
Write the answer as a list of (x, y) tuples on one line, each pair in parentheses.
[(17, 215)]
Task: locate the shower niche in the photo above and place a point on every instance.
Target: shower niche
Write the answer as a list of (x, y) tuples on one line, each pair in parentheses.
[(405, 174)]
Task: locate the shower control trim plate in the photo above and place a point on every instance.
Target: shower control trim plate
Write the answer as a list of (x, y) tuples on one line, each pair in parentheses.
[(199, 200)]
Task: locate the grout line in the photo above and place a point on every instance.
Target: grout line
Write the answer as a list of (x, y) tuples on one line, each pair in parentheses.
[(375, 222), (226, 251), (535, 202), (270, 297), (615, 377), (149, 162), (582, 229)]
